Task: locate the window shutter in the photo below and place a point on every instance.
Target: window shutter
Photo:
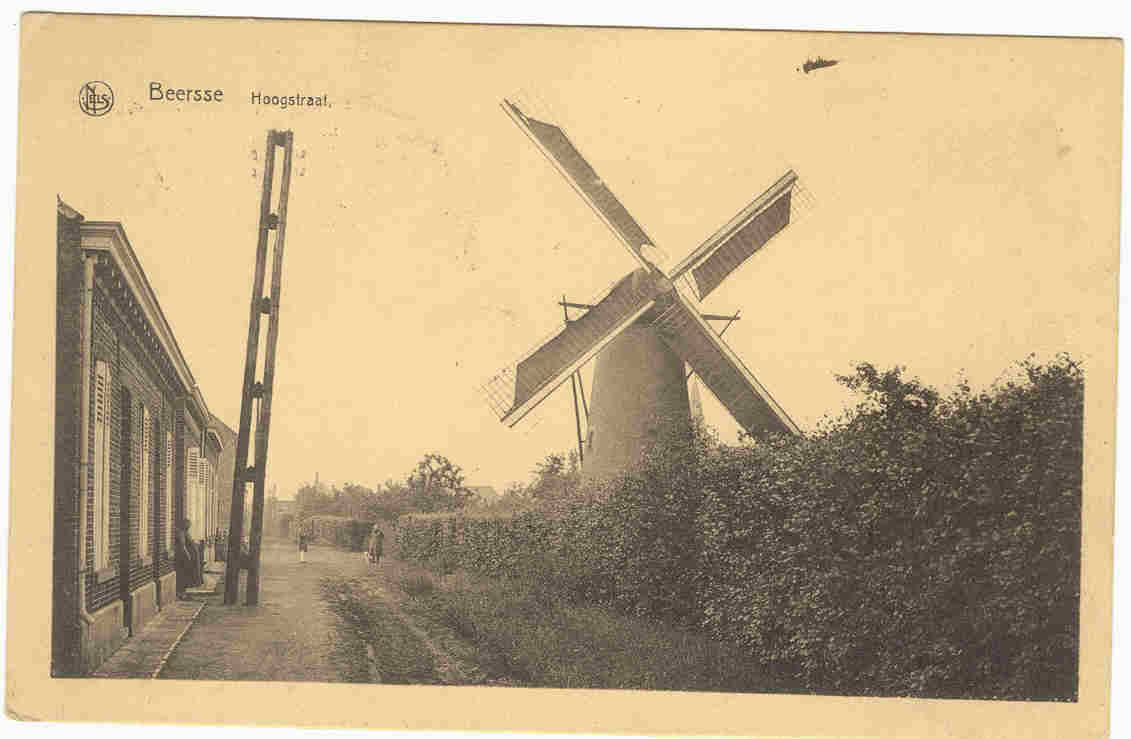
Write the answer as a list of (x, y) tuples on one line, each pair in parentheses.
[(170, 514), (208, 499), (146, 488), (200, 463), (192, 486), (101, 495), (213, 513)]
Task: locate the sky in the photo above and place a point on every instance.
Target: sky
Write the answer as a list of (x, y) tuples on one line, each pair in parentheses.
[(955, 227)]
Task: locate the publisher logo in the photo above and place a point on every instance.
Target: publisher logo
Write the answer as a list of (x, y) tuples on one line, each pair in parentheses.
[(96, 98)]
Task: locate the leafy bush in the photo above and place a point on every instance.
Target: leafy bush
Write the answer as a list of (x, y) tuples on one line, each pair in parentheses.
[(435, 484), (917, 545), (337, 531), (921, 546), (417, 586)]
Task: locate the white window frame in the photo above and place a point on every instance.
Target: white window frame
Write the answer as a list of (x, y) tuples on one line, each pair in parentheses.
[(103, 395)]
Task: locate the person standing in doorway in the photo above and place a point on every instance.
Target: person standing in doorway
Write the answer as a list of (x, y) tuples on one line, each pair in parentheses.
[(186, 560)]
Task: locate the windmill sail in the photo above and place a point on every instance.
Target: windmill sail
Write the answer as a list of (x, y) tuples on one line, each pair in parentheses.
[(561, 152), (743, 235), (717, 366), (518, 389)]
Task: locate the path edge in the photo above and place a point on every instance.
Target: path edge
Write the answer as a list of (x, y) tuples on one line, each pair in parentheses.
[(169, 651)]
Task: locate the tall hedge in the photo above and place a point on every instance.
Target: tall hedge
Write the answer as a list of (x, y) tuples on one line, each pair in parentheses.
[(339, 531), (918, 545), (921, 547)]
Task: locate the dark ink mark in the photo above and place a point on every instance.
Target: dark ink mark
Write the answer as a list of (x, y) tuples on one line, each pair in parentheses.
[(818, 63)]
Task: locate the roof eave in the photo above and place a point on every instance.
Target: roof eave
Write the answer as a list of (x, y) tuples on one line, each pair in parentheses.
[(110, 237)]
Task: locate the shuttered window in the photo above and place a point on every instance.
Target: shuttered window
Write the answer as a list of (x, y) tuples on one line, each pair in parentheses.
[(211, 500), (169, 513), (100, 498), (146, 489), (201, 496), (192, 491)]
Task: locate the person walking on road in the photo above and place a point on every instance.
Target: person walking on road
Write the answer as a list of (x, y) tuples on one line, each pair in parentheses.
[(376, 544), (302, 545)]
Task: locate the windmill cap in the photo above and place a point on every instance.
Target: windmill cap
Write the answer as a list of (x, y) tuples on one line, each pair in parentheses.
[(651, 279), (655, 256)]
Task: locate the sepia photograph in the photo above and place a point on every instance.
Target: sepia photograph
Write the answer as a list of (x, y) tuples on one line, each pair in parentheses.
[(713, 376)]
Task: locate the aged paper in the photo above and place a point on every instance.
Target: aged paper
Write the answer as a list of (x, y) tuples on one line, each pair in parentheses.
[(954, 209)]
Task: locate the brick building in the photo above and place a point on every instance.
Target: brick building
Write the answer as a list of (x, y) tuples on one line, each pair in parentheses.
[(136, 447)]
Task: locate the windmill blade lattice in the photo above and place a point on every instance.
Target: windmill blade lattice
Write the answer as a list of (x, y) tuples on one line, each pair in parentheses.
[(520, 387), (741, 237)]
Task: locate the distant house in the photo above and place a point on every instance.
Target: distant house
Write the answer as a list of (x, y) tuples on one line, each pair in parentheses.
[(224, 479), (278, 516), (136, 448)]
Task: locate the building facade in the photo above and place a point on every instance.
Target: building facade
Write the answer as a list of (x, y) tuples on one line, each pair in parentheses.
[(224, 487), (136, 448)]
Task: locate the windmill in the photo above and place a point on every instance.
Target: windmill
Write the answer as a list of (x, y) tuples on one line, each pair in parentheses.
[(646, 326)]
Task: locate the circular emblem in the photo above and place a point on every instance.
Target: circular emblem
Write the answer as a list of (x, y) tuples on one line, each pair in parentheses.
[(96, 98)]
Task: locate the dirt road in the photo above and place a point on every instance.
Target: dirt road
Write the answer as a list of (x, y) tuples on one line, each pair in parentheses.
[(334, 618)]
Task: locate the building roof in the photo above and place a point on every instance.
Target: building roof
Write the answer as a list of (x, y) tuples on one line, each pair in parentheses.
[(109, 238), (223, 431)]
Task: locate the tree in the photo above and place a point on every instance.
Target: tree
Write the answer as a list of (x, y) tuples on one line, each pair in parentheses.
[(898, 399), (311, 501), (555, 476), (356, 501), (437, 485), (393, 500)]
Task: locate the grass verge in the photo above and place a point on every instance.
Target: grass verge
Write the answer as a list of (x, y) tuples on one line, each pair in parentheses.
[(519, 637), (373, 643)]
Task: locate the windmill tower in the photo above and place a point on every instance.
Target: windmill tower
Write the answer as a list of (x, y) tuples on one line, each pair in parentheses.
[(646, 327)]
